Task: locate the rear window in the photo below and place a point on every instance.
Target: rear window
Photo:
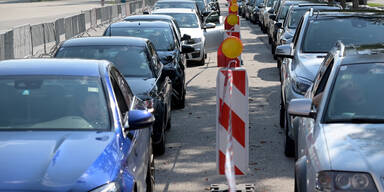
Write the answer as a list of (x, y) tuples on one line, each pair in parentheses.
[(131, 61), (184, 20), (322, 34), (165, 5), (53, 103), (161, 37)]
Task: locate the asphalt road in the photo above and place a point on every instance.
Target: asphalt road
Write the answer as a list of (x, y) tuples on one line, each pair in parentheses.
[(189, 163)]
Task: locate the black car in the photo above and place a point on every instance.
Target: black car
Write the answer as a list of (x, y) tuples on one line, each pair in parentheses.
[(137, 60), (170, 51)]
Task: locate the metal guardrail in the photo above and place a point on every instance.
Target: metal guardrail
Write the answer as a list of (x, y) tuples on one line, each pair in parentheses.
[(37, 40)]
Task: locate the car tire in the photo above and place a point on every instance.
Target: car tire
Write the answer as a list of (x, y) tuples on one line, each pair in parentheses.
[(180, 102), (282, 113), (295, 186), (169, 125), (150, 179), (289, 144), (202, 61), (159, 148)]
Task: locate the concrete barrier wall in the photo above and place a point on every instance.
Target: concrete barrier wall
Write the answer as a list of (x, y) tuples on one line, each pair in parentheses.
[(38, 39)]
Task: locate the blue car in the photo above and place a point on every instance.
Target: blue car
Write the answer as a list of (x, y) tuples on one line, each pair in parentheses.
[(72, 125)]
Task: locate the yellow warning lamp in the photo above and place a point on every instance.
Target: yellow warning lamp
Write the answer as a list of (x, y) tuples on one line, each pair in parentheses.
[(232, 47), (232, 19), (234, 7)]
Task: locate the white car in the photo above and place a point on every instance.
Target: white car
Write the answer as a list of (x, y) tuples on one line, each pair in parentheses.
[(190, 24)]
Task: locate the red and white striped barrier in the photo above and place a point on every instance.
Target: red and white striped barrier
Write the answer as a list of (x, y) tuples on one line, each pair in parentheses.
[(232, 114)]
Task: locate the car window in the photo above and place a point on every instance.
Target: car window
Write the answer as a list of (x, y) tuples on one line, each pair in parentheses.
[(120, 99), (295, 17), (53, 103), (161, 37), (322, 34), (324, 73), (283, 11), (155, 62), (124, 87), (355, 93), (297, 32), (184, 20), (165, 5), (131, 61)]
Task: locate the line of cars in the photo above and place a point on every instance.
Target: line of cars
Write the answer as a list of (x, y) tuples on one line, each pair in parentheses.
[(331, 65), (91, 117)]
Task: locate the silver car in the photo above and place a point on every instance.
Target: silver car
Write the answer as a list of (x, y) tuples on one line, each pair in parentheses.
[(341, 135), (286, 31), (318, 32)]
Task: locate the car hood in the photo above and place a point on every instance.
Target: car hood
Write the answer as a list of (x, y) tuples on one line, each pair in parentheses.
[(193, 32), (141, 86), (166, 56), (356, 147), (308, 65), (54, 161)]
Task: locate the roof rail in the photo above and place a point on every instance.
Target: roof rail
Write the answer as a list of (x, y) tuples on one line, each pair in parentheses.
[(311, 12), (340, 46)]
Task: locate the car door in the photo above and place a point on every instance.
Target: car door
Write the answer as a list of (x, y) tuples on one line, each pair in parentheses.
[(214, 36), (139, 140), (307, 128), (163, 82)]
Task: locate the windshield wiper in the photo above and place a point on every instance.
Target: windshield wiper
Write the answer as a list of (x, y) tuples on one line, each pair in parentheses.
[(357, 120)]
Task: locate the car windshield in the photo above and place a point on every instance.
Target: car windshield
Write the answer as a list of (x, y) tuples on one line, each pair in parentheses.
[(355, 95), (283, 12), (184, 20), (161, 37), (52, 103), (131, 61), (270, 3), (322, 34), (165, 5), (296, 15)]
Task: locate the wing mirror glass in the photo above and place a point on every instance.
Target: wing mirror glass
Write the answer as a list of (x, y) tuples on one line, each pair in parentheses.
[(301, 107), (187, 49), (279, 25), (138, 119), (272, 17), (285, 50), (185, 37)]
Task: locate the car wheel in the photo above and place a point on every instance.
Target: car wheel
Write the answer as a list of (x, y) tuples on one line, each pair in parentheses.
[(289, 144), (168, 123), (282, 113), (150, 179), (202, 61), (180, 102), (295, 186), (159, 148)]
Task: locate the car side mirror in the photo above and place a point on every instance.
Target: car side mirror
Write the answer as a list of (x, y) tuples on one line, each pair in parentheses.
[(272, 17), (138, 119), (187, 49), (261, 5), (271, 11), (301, 107), (285, 50), (279, 25), (145, 12), (185, 37), (209, 25)]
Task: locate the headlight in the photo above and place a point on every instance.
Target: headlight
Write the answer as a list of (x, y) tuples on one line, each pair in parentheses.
[(344, 181), (110, 187), (300, 85)]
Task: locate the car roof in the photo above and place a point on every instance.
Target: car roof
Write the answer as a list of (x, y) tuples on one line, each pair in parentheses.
[(143, 24), (105, 40), (148, 17), (65, 67), (349, 13), (174, 10), (187, 1)]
